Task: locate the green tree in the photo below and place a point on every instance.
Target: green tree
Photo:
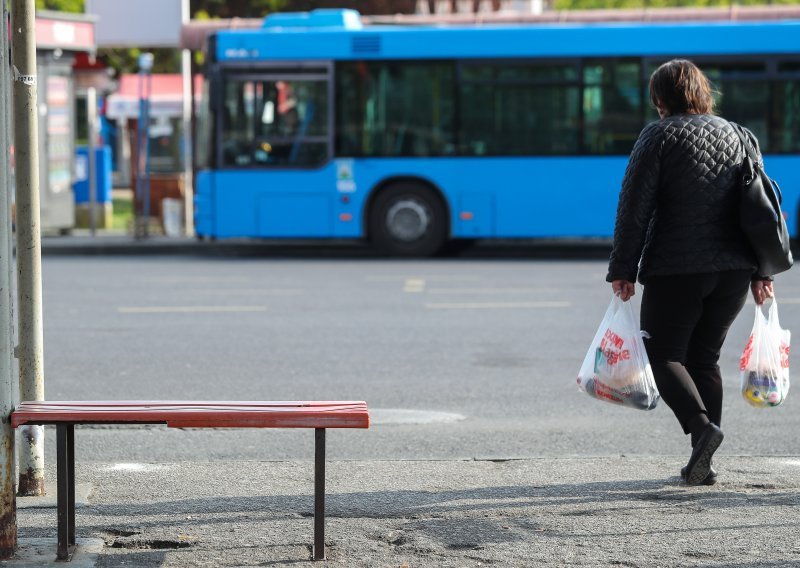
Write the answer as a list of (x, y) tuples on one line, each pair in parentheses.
[(61, 5), (236, 8), (603, 4)]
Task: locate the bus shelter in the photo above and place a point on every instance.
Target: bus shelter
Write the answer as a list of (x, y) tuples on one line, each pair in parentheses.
[(165, 130), (60, 38)]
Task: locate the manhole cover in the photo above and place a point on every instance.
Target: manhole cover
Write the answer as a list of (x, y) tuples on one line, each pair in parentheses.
[(409, 416)]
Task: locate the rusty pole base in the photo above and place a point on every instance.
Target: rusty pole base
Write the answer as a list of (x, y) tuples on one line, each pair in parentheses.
[(8, 532), (30, 485)]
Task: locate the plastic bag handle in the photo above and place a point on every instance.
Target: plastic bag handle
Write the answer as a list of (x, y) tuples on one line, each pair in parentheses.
[(772, 312)]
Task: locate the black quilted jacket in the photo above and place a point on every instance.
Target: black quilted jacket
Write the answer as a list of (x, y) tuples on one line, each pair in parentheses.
[(678, 208)]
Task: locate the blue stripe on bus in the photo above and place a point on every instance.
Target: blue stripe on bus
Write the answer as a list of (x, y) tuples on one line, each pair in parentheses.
[(551, 40)]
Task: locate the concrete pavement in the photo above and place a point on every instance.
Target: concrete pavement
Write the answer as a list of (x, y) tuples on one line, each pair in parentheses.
[(617, 511), (595, 512)]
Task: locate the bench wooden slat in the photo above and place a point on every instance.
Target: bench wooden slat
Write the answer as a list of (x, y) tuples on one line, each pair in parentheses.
[(153, 403), (197, 414)]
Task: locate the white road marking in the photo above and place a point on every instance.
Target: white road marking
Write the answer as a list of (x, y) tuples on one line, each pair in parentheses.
[(134, 467), (491, 290), (411, 416), (414, 285), (190, 279), (496, 305), (189, 309), (265, 291)]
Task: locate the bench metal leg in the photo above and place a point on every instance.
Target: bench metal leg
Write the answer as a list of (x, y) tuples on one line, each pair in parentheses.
[(71, 487), (319, 494), (65, 436)]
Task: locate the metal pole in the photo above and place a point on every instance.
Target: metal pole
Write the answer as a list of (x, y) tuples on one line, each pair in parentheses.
[(146, 138), (188, 142), (8, 504), (319, 494), (139, 199), (188, 154), (29, 246), (91, 103), (143, 147)]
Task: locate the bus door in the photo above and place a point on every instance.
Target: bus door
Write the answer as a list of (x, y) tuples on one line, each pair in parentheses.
[(275, 137)]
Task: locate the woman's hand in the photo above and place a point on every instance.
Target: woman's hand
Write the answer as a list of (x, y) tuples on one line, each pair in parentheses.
[(761, 289), (625, 289)]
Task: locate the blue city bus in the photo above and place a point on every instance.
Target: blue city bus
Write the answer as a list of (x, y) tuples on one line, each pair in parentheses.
[(316, 126)]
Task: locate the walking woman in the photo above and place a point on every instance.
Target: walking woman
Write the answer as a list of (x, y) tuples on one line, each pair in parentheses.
[(677, 231)]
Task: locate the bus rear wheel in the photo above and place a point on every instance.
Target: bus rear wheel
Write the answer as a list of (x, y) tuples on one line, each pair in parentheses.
[(408, 219)]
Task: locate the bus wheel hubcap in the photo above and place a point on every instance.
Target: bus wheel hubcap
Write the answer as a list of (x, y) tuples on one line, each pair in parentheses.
[(407, 220)]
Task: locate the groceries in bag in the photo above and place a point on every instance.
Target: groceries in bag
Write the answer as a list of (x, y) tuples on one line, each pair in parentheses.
[(764, 364), (616, 368)]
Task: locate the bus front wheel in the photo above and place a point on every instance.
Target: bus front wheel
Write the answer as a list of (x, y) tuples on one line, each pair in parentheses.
[(408, 219)]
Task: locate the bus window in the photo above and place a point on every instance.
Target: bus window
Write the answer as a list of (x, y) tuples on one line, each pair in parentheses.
[(785, 136), (274, 122), (395, 108), (742, 94), (612, 106), (785, 118), (519, 109)]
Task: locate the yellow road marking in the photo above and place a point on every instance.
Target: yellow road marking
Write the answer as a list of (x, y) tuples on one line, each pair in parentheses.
[(414, 285)]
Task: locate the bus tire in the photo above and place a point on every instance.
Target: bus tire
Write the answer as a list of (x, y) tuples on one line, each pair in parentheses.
[(408, 219)]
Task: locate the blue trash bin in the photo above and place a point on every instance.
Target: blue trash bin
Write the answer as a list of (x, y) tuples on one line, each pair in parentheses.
[(81, 185)]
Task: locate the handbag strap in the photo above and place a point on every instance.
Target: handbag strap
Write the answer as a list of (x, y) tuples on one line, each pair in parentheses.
[(747, 144), (752, 153)]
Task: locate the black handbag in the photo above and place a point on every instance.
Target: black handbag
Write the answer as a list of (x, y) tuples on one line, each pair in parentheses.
[(760, 212)]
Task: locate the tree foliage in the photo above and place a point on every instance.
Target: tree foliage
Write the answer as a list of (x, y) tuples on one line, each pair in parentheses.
[(204, 9), (60, 5), (235, 8), (608, 4)]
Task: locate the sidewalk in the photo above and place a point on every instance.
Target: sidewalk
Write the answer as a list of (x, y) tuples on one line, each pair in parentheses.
[(111, 243), (542, 512)]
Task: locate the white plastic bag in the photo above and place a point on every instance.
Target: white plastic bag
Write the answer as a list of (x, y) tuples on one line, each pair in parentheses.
[(616, 368), (764, 364)]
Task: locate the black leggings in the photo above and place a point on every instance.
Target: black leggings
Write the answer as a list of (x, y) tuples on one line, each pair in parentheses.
[(687, 318)]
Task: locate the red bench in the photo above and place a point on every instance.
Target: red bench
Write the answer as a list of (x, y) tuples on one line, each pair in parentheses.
[(65, 415)]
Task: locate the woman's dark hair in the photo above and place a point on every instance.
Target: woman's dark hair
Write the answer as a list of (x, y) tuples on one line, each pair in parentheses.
[(680, 87)]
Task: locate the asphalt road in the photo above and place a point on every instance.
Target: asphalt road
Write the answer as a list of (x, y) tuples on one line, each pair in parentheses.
[(457, 358)]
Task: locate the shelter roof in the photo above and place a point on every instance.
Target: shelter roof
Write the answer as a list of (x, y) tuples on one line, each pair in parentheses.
[(166, 95)]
